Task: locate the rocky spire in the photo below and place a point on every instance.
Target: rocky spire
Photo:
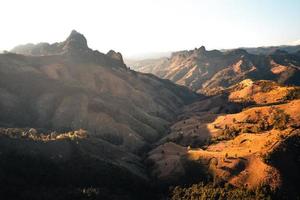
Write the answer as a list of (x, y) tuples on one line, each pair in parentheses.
[(115, 55), (75, 41), (202, 49)]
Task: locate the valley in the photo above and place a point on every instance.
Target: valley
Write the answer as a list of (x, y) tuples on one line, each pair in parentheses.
[(77, 123)]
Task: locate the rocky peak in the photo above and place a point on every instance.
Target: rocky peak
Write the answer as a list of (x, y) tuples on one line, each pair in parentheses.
[(202, 49), (115, 55), (75, 41), (198, 51)]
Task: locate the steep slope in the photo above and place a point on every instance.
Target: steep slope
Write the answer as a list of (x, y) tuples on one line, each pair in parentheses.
[(193, 127), (73, 87), (210, 72), (240, 149), (244, 149), (59, 88)]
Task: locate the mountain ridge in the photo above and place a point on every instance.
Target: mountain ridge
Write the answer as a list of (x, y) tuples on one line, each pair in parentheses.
[(77, 123), (88, 87), (211, 71)]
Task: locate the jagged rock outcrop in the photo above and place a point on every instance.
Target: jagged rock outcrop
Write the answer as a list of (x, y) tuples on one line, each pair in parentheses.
[(116, 56), (76, 48), (76, 41)]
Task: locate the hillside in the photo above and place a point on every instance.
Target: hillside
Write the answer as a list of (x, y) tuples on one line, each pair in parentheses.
[(242, 149), (74, 120), (79, 124), (72, 87), (37, 163), (209, 72)]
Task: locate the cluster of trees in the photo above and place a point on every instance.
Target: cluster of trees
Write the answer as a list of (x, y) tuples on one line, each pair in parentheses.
[(279, 119), (203, 191), (292, 94), (26, 133)]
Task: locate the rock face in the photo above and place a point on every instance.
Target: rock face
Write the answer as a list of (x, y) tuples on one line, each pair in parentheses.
[(75, 41), (72, 87), (116, 56), (210, 72)]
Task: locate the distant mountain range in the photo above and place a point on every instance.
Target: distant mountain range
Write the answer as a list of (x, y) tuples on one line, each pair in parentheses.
[(212, 71), (272, 49), (253, 50)]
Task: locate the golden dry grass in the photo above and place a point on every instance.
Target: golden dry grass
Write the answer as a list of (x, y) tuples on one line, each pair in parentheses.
[(239, 160)]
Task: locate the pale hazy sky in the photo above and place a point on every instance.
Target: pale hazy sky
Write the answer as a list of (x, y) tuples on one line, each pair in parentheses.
[(140, 26)]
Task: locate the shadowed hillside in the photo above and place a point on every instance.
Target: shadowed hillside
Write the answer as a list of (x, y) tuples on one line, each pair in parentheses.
[(92, 119), (69, 86)]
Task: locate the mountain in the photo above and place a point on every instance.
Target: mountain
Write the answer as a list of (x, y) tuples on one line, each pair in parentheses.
[(75, 41), (210, 72), (49, 91), (272, 49), (79, 124), (70, 86), (267, 50)]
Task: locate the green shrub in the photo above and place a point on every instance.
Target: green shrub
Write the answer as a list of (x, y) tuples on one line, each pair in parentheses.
[(279, 119)]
